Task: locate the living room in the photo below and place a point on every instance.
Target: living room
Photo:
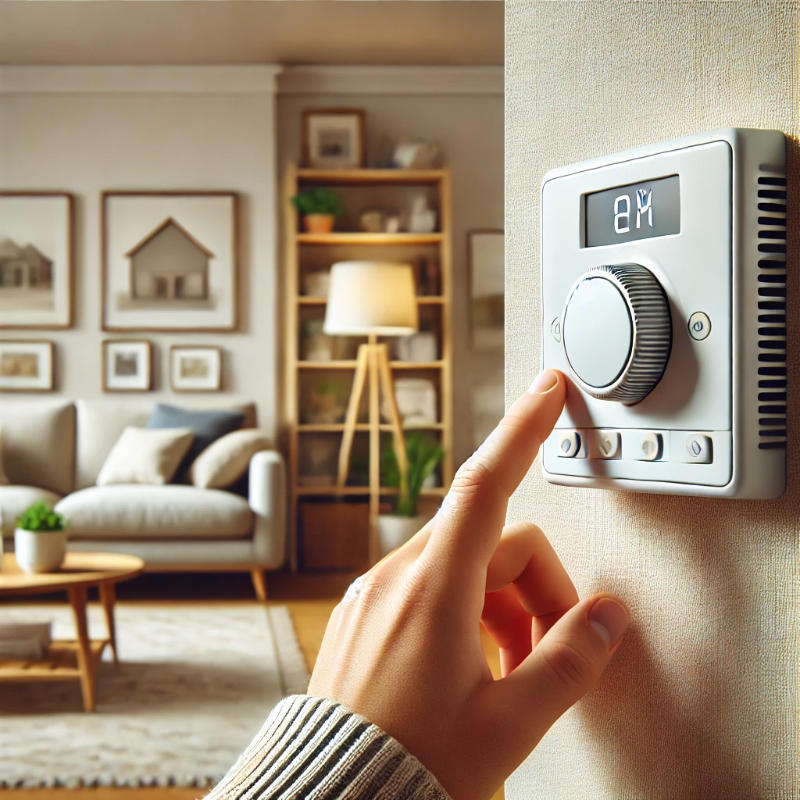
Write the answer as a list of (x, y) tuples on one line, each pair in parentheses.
[(131, 131)]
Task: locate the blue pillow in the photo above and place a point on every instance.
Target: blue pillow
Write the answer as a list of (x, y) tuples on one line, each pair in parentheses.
[(206, 426)]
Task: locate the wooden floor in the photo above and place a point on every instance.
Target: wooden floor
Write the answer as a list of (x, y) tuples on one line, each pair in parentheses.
[(309, 598)]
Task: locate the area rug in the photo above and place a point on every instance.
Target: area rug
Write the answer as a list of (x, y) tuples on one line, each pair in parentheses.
[(193, 687)]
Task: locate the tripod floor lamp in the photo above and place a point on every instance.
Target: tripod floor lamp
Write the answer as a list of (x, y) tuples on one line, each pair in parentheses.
[(372, 299)]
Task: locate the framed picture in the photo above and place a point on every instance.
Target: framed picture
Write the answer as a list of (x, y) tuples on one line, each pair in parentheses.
[(26, 366), (333, 138), (195, 368), (36, 259), (127, 365), (170, 261), (485, 249)]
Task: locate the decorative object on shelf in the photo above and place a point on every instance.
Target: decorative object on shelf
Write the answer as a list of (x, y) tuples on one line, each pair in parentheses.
[(418, 347), (195, 368), (416, 401), (416, 155), (127, 365), (392, 222), (333, 138), (316, 345), (170, 261), (26, 366), (316, 284), (486, 281), (319, 208), (421, 218), (423, 455), (40, 539), (325, 401), (36, 230), (371, 220), (318, 465)]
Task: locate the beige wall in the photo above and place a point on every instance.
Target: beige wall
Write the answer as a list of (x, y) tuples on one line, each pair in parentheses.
[(85, 130), (701, 699)]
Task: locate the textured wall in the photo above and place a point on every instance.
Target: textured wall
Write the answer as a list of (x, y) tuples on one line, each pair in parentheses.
[(701, 699)]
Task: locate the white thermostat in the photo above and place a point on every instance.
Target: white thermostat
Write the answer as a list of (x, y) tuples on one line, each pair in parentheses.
[(664, 301)]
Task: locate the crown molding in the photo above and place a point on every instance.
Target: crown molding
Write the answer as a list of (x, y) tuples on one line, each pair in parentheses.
[(390, 80), (261, 79)]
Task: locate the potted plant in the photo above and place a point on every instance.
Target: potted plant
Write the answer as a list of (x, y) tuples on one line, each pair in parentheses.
[(40, 539), (423, 454), (319, 208)]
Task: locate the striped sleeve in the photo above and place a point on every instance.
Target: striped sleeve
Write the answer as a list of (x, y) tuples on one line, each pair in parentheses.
[(314, 748)]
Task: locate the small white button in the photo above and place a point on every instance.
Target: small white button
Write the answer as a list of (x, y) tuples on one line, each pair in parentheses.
[(699, 326), (569, 444), (649, 447), (606, 444), (698, 449)]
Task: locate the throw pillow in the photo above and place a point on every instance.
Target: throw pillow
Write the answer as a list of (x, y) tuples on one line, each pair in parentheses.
[(145, 456), (206, 426), (227, 459), (3, 478)]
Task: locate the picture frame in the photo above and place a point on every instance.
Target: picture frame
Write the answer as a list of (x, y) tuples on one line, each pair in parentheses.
[(127, 365), (195, 368), (333, 138), (36, 259), (170, 261), (486, 267), (26, 366)]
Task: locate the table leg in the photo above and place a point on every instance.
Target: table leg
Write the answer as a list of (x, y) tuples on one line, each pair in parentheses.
[(77, 599), (108, 597)]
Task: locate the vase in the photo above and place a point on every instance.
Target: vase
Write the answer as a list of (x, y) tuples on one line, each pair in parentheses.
[(39, 551), (394, 530), (318, 223)]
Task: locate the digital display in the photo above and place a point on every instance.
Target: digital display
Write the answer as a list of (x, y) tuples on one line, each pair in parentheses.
[(636, 211)]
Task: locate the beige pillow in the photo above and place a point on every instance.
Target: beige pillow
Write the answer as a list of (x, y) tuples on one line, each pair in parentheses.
[(3, 478), (227, 458), (145, 455)]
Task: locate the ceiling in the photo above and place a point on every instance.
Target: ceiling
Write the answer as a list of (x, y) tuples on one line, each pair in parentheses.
[(336, 32)]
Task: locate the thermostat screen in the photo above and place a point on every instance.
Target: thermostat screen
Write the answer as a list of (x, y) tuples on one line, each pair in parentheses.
[(635, 211)]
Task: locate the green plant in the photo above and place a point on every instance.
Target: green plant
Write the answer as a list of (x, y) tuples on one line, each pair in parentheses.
[(423, 454), (319, 201), (40, 517)]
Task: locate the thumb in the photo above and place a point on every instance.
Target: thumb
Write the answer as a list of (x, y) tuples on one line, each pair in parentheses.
[(567, 662)]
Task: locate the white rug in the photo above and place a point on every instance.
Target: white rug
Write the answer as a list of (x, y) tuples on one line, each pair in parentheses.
[(193, 687)]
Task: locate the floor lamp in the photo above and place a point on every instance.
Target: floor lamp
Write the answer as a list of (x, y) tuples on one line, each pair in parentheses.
[(372, 299)]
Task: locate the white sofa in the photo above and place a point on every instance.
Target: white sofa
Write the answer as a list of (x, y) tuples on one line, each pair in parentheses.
[(53, 451)]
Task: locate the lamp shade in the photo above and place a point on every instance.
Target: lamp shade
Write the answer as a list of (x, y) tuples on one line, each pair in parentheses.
[(371, 297)]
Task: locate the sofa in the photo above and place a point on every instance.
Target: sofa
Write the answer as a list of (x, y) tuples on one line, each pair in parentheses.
[(53, 450)]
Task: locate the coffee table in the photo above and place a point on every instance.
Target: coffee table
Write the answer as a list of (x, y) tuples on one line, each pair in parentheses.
[(70, 659)]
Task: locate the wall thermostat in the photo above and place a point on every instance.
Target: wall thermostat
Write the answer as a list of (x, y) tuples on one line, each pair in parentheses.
[(664, 301)]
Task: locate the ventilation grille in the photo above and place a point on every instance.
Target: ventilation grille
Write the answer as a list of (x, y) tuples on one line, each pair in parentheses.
[(771, 310)]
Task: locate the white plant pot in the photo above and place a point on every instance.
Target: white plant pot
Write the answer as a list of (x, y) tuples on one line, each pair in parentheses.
[(39, 551), (394, 531)]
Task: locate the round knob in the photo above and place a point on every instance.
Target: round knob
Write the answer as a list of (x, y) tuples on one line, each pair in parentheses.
[(616, 332)]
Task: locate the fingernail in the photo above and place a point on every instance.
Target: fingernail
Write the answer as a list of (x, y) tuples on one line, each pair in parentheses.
[(544, 382), (610, 619)]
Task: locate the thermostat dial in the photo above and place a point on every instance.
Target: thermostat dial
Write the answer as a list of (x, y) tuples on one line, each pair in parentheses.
[(616, 332)]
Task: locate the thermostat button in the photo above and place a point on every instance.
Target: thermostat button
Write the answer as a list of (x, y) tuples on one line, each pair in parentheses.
[(569, 444), (699, 326), (698, 449), (606, 444), (650, 447)]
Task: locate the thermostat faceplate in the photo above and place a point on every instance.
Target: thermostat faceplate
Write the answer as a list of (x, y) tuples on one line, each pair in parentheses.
[(663, 299)]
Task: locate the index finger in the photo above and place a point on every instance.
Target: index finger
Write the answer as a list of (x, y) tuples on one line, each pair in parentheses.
[(471, 519)]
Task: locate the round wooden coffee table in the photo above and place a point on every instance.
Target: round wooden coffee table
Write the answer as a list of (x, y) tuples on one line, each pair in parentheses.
[(78, 572)]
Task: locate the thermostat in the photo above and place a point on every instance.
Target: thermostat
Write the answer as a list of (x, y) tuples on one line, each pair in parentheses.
[(663, 274)]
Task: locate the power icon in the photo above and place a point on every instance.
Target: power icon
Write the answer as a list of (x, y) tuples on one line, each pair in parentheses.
[(699, 326), (696, 447)]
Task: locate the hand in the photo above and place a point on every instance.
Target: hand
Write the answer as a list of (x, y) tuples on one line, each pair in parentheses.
[(405, 650)]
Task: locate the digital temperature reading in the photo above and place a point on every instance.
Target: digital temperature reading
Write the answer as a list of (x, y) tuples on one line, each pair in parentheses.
[(635, 211)]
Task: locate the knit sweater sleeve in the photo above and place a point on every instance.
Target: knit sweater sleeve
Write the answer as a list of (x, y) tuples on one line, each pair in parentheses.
[(316, 749)]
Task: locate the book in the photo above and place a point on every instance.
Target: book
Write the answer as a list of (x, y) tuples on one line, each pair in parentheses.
[(25, 639)]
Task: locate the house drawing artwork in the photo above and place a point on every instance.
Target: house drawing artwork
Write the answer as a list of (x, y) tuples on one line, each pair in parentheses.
[(26, 277), (169, 267)]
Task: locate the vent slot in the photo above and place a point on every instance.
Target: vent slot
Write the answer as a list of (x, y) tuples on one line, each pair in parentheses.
[(770, 247)]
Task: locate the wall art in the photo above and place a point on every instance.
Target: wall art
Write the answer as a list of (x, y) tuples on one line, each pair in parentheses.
[(195, 368), (26, 366), (127, 365), (333, 138)]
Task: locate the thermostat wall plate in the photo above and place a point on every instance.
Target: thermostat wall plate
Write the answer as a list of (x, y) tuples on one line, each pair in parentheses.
[(663, 274)]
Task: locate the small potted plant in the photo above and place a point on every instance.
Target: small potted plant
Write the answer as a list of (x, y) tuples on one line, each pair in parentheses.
[(423, 455), (319, 208), (40, 539)]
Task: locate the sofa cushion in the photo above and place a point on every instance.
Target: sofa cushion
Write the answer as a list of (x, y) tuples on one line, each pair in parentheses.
[(15, 499), (207, 426), (39, 443), (3, 479), (155, 512), (226, 460), (145, 456)]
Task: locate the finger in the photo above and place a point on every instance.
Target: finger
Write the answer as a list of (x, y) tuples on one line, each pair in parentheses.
[(468, 524), (509, 624), (563, 666)]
